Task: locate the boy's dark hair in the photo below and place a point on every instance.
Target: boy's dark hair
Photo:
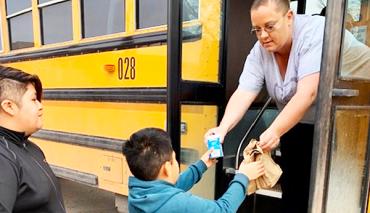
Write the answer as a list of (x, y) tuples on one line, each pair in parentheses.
[(146, 151), (283, 5), (13, 84)]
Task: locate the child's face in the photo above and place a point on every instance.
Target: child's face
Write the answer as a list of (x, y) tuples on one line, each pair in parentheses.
[(29, 112)]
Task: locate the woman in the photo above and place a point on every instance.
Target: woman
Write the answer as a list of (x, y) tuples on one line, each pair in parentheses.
[(287, 57)]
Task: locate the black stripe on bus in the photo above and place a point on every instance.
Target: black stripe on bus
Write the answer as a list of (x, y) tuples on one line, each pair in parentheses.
[(107, 94), (75, 175), (195, 92), (80, 140), (189, 155), (191, 92), (129, 42)]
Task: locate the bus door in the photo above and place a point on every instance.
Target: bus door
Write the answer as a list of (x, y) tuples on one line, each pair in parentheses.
[(194, 89), (341, 154), (238, 41)]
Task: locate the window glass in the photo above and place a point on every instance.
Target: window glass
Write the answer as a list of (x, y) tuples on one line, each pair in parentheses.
[(294, 6), (154, 13), (190, 10), (43, 1), (315, 7), (356, 41), (102, 17), (151, 13), (56, 23), (13, 6), (347, 178), (21, 34)]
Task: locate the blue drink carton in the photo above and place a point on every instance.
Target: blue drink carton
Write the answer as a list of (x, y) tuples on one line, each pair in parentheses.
[(213, 141)]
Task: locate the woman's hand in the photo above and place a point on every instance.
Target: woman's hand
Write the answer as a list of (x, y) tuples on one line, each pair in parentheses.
[(269, 140), (216, 131)]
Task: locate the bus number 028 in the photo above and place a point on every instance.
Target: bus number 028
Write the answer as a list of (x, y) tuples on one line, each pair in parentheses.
[(126, 68)]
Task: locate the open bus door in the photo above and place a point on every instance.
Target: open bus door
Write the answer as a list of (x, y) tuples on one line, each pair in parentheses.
[(340, 172), (342, 100), (238, 41)]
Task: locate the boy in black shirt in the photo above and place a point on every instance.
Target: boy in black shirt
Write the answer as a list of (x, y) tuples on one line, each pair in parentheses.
[(27, 183)]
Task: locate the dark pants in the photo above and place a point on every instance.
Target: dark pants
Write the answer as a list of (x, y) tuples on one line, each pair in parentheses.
[(296, 155)]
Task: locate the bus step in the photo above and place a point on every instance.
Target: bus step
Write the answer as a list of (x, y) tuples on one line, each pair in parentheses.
[(273, 192)]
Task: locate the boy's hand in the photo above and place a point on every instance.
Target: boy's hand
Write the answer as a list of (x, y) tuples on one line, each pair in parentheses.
[(208, 161), (252, 170)]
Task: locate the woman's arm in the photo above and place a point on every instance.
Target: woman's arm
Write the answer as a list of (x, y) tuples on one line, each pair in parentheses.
[(292, 113), (238, 104)]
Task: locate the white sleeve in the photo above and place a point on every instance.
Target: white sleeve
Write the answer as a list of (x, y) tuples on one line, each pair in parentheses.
[(252, 77), (311, 52)]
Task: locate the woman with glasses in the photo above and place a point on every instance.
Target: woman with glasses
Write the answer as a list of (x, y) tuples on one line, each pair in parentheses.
[(287, 57)]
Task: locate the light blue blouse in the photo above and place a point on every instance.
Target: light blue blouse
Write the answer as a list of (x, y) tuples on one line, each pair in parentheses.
[(305, 59)]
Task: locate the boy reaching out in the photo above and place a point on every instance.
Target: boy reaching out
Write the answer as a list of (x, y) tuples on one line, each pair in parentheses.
[(157, 185)]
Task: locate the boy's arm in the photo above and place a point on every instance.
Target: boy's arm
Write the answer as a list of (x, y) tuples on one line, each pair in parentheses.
[(229, 202), (235, 194), (191, 175), (8, 185)]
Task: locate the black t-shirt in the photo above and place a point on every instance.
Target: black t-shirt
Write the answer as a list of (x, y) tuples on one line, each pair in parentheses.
[(27, 184)]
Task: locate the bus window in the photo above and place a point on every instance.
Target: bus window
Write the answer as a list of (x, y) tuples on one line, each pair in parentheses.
[(191, 10), (16, 6), (102, 17), (56, 22), (43, 1), (314, 7), (348, 161), (19, 16), (356, 41), (154, 13), (151, 13), (294, 6)]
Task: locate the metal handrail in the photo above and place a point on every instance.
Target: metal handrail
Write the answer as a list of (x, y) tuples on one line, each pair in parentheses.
[(249, 130)]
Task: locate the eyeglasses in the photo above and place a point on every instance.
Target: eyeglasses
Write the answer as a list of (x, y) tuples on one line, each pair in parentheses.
[(269, 28)]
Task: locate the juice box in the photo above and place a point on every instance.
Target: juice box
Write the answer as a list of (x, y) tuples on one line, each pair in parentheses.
[(213, 141)]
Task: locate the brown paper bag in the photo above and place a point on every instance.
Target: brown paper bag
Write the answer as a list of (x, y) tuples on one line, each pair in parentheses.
[(272, 170)]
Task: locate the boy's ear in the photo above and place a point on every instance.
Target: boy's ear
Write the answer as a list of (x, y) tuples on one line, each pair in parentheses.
[(9, 107), (167, 169)]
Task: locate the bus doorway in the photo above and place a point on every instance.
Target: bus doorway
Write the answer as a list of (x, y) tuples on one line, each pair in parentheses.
[(341, 153), (238, 41)]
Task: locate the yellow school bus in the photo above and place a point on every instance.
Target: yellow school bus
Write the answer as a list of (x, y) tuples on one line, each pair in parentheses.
[(107, 72), (103, 68)]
